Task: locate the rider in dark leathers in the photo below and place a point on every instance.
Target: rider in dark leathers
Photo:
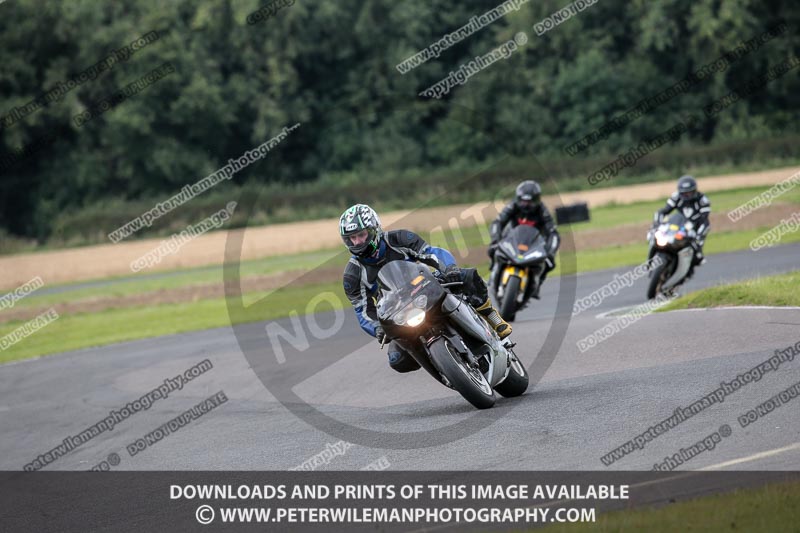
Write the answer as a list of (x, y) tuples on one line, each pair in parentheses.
[(696, 207), (361, 232), (527, 208)]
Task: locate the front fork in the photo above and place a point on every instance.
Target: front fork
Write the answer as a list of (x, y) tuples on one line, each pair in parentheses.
[(508, 271)]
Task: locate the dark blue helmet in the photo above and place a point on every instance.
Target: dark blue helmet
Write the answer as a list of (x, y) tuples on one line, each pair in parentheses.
[(687, 188)]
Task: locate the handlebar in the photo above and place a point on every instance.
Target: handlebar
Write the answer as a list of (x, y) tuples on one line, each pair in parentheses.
[(425, 260)]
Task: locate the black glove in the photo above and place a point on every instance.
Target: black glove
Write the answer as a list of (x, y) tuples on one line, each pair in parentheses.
[(381, 335), (452, 274), (492, 249)]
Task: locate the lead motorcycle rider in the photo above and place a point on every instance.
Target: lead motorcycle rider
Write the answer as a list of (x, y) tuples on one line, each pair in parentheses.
[(527, 208), (371, 248), (696, 207)]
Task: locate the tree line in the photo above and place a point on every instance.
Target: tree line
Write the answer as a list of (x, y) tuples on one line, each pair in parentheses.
[(243, 70)]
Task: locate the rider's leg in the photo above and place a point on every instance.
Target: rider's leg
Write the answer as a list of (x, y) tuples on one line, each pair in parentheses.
[(400, 360), (475, 287), (553, 242), (699, 258), (549, 265)]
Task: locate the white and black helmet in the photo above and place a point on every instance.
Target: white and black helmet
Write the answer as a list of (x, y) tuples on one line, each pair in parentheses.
[(357, 219)]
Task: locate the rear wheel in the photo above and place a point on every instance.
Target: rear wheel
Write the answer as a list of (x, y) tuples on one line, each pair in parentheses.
[(516, 383), (508, 308), (658, 277), (467, 380)]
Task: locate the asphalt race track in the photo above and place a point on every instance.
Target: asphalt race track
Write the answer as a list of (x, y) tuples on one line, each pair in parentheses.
[(585, 405)]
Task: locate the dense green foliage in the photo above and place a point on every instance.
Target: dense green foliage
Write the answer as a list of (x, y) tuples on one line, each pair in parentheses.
[(330, 65)]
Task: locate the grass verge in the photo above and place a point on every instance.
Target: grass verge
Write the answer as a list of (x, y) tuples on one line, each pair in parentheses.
[(86, 330), (781, 290), (774, 507)]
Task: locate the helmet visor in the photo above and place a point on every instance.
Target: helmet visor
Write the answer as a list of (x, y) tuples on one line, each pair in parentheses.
[(687, 195), (358, 241), (527, 201)]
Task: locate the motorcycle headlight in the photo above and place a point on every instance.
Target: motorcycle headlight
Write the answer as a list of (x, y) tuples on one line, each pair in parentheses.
[(410, 316), (415, 317), (661, 239)]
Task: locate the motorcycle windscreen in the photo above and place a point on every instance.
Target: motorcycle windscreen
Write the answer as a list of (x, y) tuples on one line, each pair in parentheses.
[(525, 242), (676, 219), (402, 283)]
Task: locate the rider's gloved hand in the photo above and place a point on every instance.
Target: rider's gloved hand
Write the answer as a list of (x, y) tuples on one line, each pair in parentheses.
[(452, 274), (492, 249), (691, 233), (380, 334)]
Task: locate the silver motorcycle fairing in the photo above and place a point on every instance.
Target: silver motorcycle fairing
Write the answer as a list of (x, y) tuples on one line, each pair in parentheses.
[(465, 317), (685, 258)]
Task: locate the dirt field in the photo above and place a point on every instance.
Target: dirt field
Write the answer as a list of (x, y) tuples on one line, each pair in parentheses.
[(102, 261)]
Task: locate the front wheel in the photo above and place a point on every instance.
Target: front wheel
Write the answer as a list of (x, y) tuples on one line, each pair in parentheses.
[(658, 277), (508, 308), (468, 381), (516, 382)]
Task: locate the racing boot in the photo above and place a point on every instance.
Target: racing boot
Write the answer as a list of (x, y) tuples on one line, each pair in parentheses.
[(488, 312)]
